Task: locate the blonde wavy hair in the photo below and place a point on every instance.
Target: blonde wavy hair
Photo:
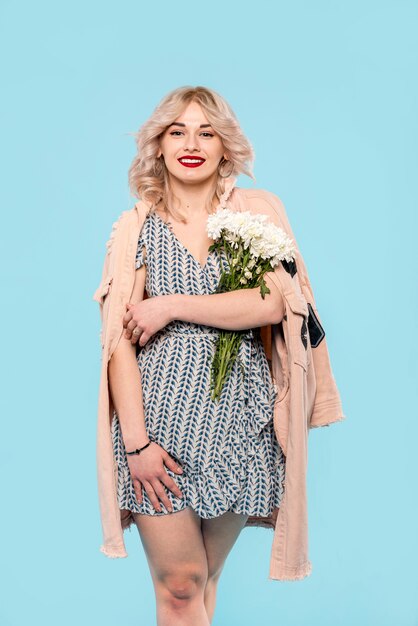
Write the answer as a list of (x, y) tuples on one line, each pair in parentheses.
[(148, 175)]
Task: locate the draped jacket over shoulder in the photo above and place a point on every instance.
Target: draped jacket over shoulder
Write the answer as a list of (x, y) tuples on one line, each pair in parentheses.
[(300, 366)]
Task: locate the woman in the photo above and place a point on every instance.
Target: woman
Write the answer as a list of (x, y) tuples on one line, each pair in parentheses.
[(193, 487), (189, 472)]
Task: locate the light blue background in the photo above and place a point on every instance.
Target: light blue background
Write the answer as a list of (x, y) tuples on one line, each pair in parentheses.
[(327, 94)]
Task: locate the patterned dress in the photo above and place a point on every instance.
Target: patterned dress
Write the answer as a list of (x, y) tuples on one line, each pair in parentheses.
[(229, 453)]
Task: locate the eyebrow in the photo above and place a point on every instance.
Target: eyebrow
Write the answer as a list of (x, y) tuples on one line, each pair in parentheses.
[(181, 124)]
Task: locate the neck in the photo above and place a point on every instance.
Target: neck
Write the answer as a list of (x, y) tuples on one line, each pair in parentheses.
[(192, 196)]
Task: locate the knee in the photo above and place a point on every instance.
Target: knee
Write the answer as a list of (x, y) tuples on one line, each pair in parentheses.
[(182, 585)]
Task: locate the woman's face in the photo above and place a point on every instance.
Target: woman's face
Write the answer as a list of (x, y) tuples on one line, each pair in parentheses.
[(186, 139)]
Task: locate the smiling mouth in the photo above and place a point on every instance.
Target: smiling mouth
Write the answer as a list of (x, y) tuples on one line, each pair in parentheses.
[(191, 161)]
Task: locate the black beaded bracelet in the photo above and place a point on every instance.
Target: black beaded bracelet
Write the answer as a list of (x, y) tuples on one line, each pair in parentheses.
[(139, 450)]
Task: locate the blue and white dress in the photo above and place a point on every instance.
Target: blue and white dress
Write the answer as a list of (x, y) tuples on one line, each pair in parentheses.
[(229, 453)]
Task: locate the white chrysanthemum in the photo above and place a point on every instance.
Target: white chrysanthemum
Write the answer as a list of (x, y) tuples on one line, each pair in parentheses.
[(263, 239), (216, 222)]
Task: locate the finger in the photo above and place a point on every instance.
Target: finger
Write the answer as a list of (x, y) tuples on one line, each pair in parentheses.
[(151, 494), (143, 339), (138, 490), (171, 484), (134, 334), (132, 324), (162, 494), (127, 318), (172, 464), (168, 480), (129, 328)]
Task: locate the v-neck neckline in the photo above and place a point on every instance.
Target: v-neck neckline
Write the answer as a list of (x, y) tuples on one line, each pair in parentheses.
[(181, 245)]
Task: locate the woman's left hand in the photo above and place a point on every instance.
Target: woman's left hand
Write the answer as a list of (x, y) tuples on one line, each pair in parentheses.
[(149, 315)]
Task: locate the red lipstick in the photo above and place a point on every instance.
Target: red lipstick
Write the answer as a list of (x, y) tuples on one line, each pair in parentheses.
[(190, 161)]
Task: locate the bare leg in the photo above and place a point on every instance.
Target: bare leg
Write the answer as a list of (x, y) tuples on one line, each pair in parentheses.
[(176, 555), (219, 535)]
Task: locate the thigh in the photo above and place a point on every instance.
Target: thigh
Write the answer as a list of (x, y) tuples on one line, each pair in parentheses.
[(173, 545), (219, 535)]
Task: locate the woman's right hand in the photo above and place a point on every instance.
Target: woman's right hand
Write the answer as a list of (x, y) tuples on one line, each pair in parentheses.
[(147, 469)]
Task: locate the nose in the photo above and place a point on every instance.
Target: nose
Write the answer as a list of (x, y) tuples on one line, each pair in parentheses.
[(190, 143)]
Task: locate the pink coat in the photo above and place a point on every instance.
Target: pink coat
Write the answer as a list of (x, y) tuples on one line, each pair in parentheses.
[(298, 355)]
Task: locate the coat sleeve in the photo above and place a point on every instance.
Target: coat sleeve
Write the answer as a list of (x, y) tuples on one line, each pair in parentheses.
[(105, 285), (103, 292), (327, 407)]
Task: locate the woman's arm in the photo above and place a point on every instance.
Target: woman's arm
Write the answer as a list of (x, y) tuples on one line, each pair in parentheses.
[(234, 310), (125, 382)]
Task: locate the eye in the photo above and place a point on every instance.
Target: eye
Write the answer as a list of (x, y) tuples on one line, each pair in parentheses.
[(174, 132)]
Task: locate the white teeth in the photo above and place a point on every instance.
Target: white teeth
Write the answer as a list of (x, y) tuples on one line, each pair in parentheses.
[(191, 160)]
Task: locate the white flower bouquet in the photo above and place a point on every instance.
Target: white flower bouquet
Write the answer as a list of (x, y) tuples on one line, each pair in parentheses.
[(252, 246)]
